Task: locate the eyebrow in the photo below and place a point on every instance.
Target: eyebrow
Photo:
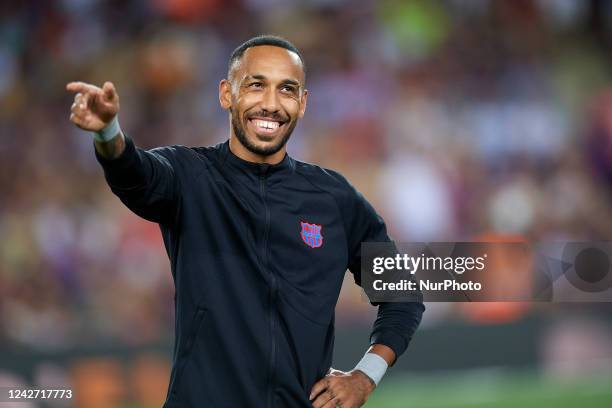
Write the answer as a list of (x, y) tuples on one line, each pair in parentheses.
[(260, 77)]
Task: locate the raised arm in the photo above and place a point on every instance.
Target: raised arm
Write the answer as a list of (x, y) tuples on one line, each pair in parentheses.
[(94, 109), (145, 180)]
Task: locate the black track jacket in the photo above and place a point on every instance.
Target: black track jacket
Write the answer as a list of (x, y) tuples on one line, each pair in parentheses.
[(258, 253)]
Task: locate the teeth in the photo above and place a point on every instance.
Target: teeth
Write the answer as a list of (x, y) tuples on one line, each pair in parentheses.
[(266, 124)]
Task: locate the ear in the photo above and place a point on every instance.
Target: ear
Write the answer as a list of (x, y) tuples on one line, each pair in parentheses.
[(225, 94), (303, 101)]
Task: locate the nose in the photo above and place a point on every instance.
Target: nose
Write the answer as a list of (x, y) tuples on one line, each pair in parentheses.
[(270, 101)]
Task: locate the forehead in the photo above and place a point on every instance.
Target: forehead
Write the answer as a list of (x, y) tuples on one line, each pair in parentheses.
[(270, 61)]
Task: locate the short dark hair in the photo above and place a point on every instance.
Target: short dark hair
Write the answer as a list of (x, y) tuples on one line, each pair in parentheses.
[(263, 40)]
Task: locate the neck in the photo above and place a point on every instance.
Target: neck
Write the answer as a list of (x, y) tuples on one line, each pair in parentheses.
[(245, 154)]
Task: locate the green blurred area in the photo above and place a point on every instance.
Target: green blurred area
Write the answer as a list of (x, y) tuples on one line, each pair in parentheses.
[(492, 389)]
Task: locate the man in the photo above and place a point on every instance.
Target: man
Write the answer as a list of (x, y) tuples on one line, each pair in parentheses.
[(258, 243)]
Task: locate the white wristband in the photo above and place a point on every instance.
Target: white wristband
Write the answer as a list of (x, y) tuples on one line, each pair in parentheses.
[(373, 365), (109, 131)]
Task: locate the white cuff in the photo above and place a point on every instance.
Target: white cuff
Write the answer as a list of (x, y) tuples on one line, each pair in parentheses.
[(373, 365), (109, 131)]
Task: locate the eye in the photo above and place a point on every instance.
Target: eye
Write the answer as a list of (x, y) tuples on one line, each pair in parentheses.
[(255, 85), (288, 88)]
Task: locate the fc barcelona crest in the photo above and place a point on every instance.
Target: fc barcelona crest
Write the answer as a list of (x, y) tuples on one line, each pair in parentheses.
[(311, 234)]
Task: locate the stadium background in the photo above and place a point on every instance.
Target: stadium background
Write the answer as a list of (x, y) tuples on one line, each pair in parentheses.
[(458, 119)]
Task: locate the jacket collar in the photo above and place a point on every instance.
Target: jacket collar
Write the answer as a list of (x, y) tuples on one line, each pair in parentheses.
[(285, 165)]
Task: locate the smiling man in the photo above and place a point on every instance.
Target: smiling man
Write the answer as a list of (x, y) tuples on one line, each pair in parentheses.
[(270, 117), (258, 244)]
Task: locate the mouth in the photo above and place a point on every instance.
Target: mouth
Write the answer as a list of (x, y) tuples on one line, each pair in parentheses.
[(266, 127)]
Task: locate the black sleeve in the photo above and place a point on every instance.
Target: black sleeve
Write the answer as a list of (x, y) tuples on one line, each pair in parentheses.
[(145, 181), (396, 322)]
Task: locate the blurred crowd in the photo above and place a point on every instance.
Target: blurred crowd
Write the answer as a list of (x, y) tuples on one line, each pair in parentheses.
[(455, 118)]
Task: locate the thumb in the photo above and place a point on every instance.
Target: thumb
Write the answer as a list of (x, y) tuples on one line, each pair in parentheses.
[(109, 91)]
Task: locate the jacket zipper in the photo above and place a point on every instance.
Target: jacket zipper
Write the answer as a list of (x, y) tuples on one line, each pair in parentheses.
[(273, 291)]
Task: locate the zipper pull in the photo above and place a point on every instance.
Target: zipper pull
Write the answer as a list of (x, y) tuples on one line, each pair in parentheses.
[(263, 169)]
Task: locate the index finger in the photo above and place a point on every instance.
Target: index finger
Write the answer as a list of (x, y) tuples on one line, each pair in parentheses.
[(82, 87)]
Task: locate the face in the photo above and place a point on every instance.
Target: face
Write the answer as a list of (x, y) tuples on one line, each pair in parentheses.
[(265, 96)]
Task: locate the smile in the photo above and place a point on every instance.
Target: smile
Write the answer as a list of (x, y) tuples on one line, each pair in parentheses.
[(265, 126)]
